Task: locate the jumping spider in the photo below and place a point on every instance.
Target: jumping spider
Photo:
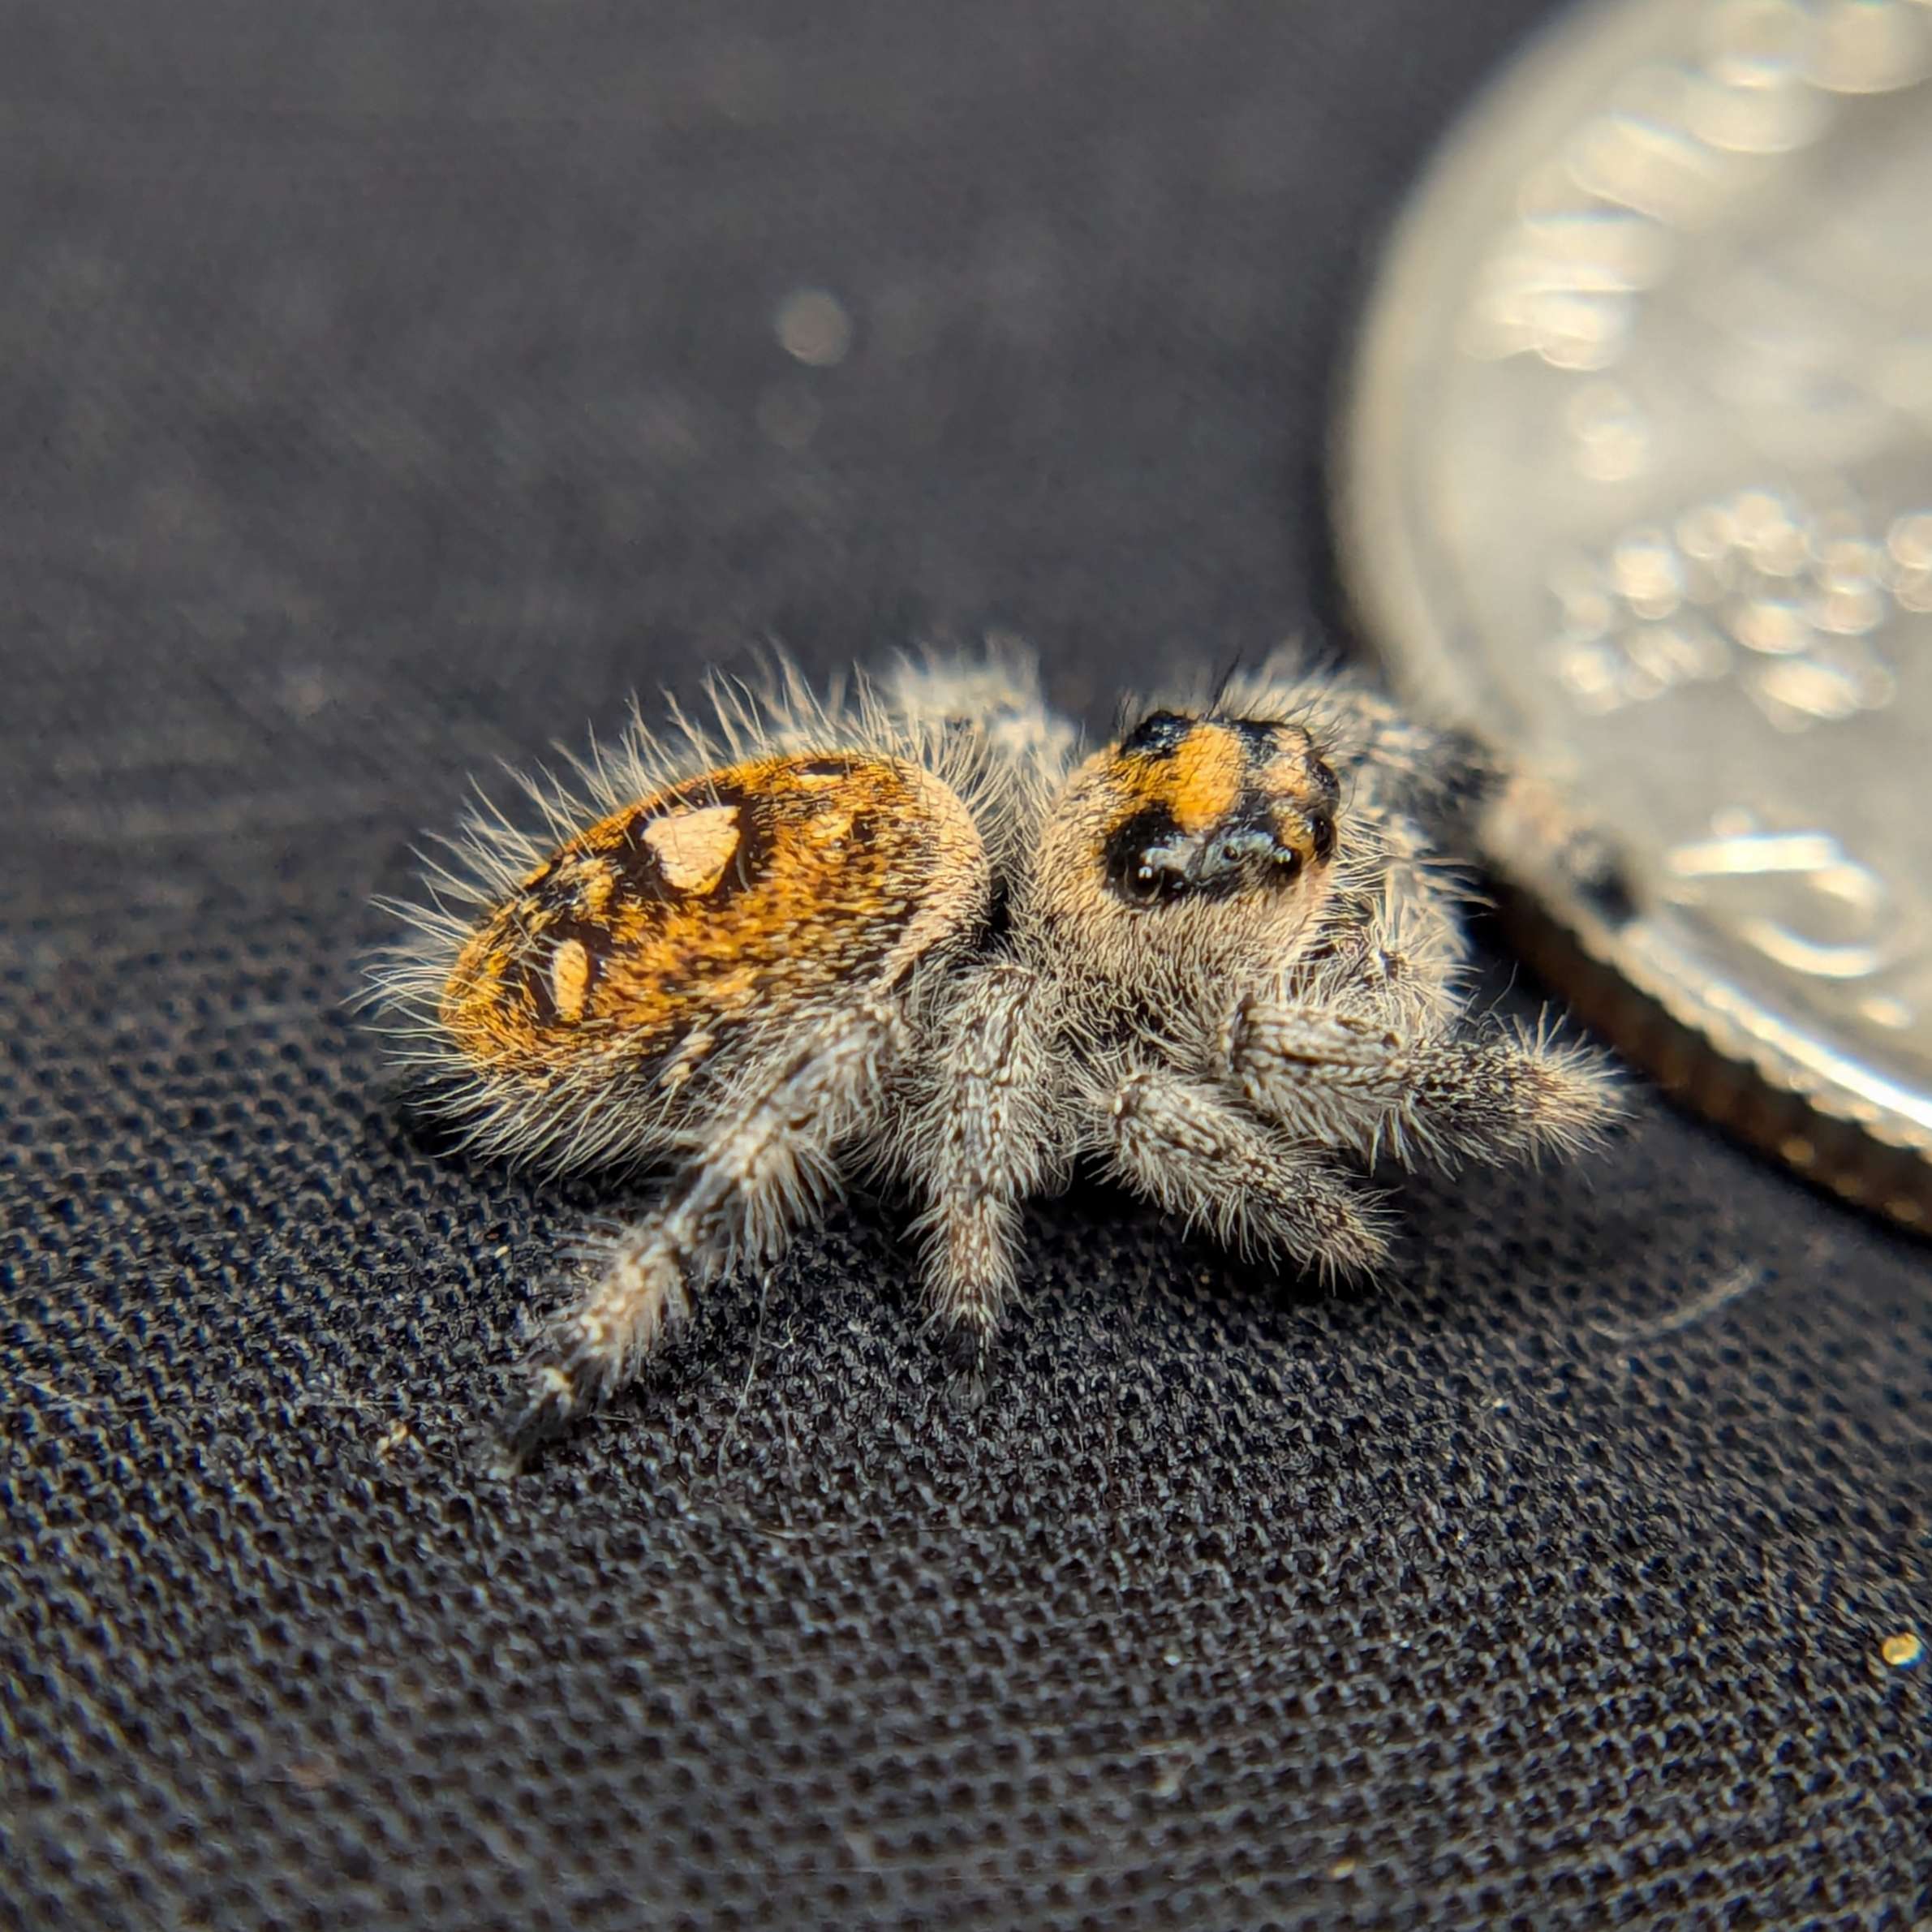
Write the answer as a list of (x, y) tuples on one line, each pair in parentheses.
[(907, 931)]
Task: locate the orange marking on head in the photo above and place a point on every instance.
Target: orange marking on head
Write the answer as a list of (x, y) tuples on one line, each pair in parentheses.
[(1202, 782), (1295, 771)]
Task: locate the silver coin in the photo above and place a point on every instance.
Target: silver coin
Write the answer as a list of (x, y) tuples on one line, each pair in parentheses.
[(1637, 480)]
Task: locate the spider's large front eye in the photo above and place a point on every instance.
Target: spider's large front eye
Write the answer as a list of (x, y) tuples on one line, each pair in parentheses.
[(1145, 884), (1140, 862)]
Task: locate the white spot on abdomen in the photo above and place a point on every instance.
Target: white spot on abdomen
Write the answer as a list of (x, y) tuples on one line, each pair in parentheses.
[(694, 847), (570, 979)]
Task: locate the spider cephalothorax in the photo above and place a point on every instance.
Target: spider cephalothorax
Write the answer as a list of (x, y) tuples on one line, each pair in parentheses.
[(1191, 845), (909, 933)]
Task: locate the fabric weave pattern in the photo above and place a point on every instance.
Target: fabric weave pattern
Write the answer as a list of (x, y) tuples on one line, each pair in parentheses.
[(392, 389)]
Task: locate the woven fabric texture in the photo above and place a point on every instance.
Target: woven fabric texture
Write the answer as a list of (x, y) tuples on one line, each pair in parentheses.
[(391, 388)]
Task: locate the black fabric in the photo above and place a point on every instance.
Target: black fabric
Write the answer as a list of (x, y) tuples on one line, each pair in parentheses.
[(389, 388)]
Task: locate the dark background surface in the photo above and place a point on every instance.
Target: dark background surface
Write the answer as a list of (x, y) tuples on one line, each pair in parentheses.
[(389, 388)]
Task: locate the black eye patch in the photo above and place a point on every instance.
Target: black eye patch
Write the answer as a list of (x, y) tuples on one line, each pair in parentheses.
[(1136, 861), (1149, 860)]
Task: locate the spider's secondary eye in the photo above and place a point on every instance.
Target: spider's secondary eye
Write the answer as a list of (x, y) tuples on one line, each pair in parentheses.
[(1159, 735)]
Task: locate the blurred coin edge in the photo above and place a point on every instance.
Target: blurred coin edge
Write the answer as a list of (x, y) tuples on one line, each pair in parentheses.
[(1738, 1067)]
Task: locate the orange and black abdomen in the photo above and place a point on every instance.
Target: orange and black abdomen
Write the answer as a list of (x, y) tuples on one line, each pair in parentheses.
[(668, 929)]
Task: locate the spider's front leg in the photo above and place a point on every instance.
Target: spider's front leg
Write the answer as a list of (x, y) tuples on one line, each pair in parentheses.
[(1329, 1065), (980, 1139), (1184, 1145), (1365, 1046), (766, 1159)]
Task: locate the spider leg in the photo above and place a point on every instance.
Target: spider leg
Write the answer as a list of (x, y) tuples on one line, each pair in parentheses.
[(1388, 761), (997, 692), (1184, 1145), (1369, 1083), (1366, 1047), (993, 700), (980, 1142), (1394, 946), (767, 1160)]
